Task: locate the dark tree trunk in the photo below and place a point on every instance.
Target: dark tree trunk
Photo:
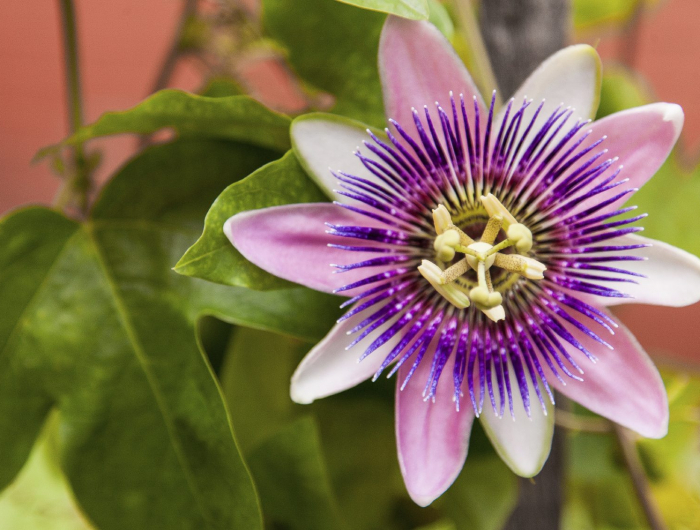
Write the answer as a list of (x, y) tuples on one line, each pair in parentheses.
[(519, 35)]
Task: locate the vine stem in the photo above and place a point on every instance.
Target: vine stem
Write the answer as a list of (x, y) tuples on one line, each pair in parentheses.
[(170, 61), (639, 478), (76, 188), (168, 66)]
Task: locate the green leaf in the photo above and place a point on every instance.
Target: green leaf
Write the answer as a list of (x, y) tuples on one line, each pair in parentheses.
[(95, 323), (333, 47), (356, 429), (222, 87), (622, 89), (189, 115), (591, 13), (440, 18), (213, 257), (291, 478), (278, 437), (412, 9), (40, 497), (483, 495)]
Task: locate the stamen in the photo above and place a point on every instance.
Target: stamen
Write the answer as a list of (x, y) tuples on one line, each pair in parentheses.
[(451, 292), (479, 256), (492, 229)]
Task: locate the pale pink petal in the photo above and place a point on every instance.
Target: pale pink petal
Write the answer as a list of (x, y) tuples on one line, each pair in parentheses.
[(432, 437), (522, 442), (641, 138), (418, 67), (623, 385), (672, 275), (329, 368), (571, 77), (325, 142), (291, 242)]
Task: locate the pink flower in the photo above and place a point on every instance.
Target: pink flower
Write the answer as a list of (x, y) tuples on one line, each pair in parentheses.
[(480, 248)]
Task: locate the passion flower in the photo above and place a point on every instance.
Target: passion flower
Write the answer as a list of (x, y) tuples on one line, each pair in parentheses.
[(479, 248)]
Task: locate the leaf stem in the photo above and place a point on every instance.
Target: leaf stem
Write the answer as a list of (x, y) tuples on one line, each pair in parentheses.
[(639, 478), (76, 188), (472, 34)]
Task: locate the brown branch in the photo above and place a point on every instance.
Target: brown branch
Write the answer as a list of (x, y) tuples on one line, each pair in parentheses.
[(170, 61)]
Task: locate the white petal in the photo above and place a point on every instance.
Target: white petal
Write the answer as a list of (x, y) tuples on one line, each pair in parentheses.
[(325, 142), (329, 368), (571, 76), (672, 275), (522, 443)]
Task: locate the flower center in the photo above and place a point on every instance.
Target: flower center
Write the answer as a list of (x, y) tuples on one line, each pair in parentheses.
[(479, 256)]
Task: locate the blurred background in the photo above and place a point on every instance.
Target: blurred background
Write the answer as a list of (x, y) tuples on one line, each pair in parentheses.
[(126, 47), (130, 49)]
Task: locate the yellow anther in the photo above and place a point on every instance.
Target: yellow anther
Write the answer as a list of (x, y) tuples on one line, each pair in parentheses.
[(534, 270), (494, 207), (445, 244), (441, 219), (480, 256), (451, 292), (495, 313), (521, 236)]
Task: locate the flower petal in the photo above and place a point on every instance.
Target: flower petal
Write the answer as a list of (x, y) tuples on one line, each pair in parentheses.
[(623, 385), (291, 242), (329, 368), (325, 142), (432, 437), (522, 442), (672, 275), (418, 66), (571, 76), (642, 138)]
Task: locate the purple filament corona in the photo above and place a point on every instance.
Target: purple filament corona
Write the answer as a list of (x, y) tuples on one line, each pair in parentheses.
[(555, 179)]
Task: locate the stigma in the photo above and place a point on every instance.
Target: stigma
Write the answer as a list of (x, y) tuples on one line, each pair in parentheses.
[(479, 256)]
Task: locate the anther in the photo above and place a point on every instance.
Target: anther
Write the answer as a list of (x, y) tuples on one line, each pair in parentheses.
[(480, 256), (451, 292), (521, 237), (445, 244)]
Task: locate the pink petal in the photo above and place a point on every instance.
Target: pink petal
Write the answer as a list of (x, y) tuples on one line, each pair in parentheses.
[(522, 442), (329, 368), (291, 242), (672, 275), (623, 385), (418, 67), (642, 139), (432, 437)]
